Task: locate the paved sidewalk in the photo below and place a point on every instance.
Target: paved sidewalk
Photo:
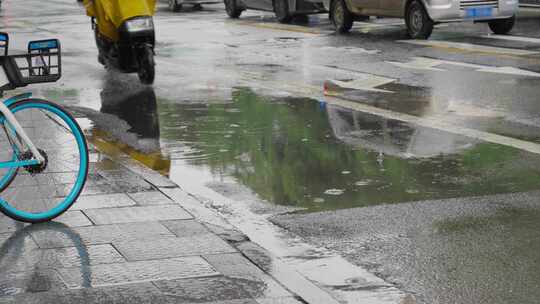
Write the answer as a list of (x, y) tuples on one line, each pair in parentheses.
[(124, 241)]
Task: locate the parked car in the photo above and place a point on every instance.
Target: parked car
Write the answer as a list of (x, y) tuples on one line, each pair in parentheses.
[(285, 10), (421, 15), (177, 5)]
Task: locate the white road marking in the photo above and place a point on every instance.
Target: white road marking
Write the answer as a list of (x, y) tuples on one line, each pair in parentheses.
[(281, 27), (471, 47), (360, 24), (365, 82), (513, 38), (438, 124), (510, 71), (419, 63), (423, 63), (349, 49), (435, 122)]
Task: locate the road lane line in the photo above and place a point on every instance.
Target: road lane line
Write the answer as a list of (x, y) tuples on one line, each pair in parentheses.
[(513, 38), (470, 47), (430, 64), (282, 27), (427, 122), (435, 123)]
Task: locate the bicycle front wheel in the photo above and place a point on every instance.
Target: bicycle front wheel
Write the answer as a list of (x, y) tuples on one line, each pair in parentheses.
[(42, 192)]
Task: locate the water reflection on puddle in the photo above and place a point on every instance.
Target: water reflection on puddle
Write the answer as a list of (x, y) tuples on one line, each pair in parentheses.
[(304, 153)]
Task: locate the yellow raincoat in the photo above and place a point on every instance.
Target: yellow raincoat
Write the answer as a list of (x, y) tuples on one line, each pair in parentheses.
[(110, 14)]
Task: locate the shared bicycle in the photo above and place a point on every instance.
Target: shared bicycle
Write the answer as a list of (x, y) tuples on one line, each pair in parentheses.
[(43, 151)]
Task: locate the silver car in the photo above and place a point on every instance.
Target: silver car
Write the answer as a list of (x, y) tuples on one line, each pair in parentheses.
[(285, 10), (421, 15)]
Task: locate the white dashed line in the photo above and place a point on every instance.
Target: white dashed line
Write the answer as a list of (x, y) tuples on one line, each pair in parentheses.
[(513, 38), (470, 47), (429, 64)]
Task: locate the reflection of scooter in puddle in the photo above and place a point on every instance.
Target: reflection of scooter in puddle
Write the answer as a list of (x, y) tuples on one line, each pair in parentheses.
[(18, 255), (138, 124), (125, 37), (136, 105)]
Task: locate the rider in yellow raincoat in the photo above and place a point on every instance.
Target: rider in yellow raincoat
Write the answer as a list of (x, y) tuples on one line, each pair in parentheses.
[(124, 22), (110, 14)]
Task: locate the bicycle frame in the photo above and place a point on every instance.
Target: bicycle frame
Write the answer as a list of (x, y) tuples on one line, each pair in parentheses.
[(14, 125)]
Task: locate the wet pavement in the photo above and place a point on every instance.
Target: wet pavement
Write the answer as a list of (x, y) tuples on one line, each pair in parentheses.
[(415, 160), (310, 155), (465, 250), (124, 241)]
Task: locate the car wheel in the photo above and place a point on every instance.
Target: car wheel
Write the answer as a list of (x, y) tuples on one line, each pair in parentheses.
[(281, 9), (502, 26), (341, 17), (419, 25), (175, 6), (197, 7), (232, 9)]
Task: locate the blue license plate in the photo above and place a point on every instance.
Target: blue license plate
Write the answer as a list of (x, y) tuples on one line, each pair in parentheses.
[(478, 12)]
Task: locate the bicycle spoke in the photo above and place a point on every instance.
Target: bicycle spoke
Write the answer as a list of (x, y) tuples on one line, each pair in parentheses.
[(41, 191)]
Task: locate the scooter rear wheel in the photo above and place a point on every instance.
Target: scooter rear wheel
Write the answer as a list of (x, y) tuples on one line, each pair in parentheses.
[(146, 66)]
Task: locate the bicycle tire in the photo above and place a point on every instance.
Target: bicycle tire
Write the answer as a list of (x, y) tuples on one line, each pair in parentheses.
[(61, 117), (7, 178)]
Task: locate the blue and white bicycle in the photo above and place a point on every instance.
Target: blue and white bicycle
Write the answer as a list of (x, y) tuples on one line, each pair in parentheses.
[(43, 152)]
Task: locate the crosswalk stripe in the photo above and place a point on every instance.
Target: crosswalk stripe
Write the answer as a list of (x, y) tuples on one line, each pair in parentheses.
[(470, 47)]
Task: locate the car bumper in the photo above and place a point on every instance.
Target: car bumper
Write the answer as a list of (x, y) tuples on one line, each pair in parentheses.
[(455, 10)]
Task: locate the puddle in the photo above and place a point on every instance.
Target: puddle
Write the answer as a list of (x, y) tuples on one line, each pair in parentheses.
[(299, 153)]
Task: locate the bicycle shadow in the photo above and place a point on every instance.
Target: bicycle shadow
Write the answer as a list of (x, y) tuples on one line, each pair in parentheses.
[(26, 267)]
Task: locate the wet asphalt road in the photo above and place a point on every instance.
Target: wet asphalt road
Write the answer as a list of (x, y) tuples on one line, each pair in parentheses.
[(426, 175)]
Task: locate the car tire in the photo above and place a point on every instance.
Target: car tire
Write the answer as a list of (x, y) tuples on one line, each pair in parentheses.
[(502, 26), (281, 9), (175, 6), (231, 7), (341, 17), (419, 24)]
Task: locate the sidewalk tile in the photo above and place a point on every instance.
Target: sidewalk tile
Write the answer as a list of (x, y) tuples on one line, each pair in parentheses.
[(73, 218), (150, 175), (137, 214), (119, 174), (70, 218), (8, 225), (150, 198), (173, 247), (133, 186), (93, 189), (16, 261), (119, 294), (253, 279), (141, 271), (198, 290), (103, 201), (185, 228), (29, 281), (100, 234), (12, 247)]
